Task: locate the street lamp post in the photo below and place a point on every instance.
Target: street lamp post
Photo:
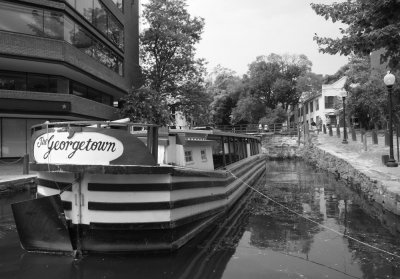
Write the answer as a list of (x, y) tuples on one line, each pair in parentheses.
[(344, 120), (389, 80)]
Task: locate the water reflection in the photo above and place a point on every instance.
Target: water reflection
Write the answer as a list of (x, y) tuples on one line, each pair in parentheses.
[(258, 240)]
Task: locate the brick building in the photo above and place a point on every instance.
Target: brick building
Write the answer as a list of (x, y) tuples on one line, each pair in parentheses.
[(63, 60)]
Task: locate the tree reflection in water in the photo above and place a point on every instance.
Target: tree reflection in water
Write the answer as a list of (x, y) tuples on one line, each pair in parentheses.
[(319, 197)]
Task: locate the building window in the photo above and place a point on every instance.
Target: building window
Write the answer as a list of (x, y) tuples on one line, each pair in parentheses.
[(101, 18), (20, 19), (53, 25), (188, 156), (203, 155), (119, 4), (311, 106), (38, 83), (78, 89), (46, 23), (12, 81), (329, 102), (316, 104), (306, 106)]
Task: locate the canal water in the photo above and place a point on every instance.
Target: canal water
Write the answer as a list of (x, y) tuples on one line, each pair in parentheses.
[(259, 239)]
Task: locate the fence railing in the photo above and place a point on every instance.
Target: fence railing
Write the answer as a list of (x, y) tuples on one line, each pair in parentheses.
[(279, 128)]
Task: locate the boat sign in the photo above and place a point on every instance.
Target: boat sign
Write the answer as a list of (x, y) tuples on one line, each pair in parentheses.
[(89, 148)]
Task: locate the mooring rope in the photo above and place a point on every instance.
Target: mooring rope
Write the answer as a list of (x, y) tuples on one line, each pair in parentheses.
[(312, 221)]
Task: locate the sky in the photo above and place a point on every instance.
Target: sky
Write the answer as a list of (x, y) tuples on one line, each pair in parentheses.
[(238, 31)]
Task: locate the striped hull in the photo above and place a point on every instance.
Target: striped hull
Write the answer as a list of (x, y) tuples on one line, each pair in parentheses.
[(159, 209)]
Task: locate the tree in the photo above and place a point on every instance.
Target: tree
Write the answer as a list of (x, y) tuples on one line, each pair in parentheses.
[(309, 84), (273, 78), (171, 75), (225, 88), (368, 97), (247, 110), (168, 46), (145, 105), (372, 25)]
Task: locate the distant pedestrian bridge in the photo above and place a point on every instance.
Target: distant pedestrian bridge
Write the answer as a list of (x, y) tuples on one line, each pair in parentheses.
[(275, 128)]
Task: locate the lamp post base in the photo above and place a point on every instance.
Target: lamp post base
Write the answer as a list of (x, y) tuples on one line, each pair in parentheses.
[(392, 163)]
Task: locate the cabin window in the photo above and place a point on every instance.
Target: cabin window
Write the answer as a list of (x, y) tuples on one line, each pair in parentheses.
[(188, 156), (203, 155)]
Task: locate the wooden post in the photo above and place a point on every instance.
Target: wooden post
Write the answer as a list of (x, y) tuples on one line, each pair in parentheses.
[(387, 140), (374, 136), (363, 135), (229, 150), (25, 164), (365, 142), (223, 151), (353, 134), (155, 143)]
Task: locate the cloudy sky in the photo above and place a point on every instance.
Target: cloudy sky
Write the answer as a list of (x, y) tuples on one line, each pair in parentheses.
[(238, 31)]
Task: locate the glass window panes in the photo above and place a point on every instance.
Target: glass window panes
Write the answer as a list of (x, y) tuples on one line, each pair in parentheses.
[(85, 8), (37, 83), (12, 81), (69, 30), (71, 2), (54, 24), (115, 32), (203, 155), (20, 19), (107, 99), (94, 95), (83, 41), (32, 21), (79, 90), (100, 16), (119, 4), (188, 156)]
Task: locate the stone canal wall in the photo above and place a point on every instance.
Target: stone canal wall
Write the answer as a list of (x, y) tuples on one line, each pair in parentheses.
[(381, 194), (281, 146)]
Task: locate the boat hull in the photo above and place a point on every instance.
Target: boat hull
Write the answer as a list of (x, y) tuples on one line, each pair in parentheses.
[(117, 209)]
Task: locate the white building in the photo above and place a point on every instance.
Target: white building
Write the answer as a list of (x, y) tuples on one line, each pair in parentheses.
[(320, 108)]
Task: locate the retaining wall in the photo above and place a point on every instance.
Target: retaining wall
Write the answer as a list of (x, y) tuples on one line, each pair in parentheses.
[(380, 195), (281, 146)]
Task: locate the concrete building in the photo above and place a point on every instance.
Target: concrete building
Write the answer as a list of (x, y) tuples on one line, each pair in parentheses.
[(63, 60), (322, 106)]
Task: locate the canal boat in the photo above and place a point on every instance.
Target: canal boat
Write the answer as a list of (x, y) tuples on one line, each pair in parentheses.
[(114, 187)]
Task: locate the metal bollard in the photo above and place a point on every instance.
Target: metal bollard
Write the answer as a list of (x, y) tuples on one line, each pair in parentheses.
[(338, 131), (330, 130), (324, 128)]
